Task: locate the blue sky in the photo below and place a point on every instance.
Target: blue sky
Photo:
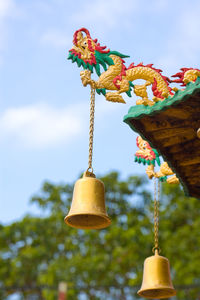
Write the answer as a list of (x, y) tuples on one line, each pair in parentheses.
[(44, 109)]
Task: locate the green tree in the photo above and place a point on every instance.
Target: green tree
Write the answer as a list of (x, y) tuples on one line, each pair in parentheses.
[(36, 253)]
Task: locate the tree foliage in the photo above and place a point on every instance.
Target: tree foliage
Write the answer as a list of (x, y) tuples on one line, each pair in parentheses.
[(36, 253)]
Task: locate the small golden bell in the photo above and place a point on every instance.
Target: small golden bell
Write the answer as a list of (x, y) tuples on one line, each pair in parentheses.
[(157, 282), (88, 209)]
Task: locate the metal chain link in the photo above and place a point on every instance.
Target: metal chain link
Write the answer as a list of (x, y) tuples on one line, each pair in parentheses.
[(91, 131), (156, 215)]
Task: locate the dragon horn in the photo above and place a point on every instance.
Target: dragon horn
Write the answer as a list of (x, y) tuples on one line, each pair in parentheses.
[(80, 30)]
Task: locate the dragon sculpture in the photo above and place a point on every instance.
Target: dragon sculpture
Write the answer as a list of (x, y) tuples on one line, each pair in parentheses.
[(115, 78), (149, 156)]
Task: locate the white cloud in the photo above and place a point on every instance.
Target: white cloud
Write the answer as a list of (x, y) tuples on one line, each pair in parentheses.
[(6, 7), (56, 38), (183, 47), (40, 125), (106, 14), (157, 6)]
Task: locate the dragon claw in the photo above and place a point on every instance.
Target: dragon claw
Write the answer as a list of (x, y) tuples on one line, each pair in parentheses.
[(173, 180), (114, 97), (85, 77), (144, 102)]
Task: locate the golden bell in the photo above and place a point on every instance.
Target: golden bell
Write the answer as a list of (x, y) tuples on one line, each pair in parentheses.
[(157, 282), (88, 209)]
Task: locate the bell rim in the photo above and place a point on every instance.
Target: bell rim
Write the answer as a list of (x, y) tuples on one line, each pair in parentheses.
[(101, 226), (172, 292)]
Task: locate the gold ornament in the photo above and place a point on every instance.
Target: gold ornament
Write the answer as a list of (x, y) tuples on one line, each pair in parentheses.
[(156, 282), (88, 209)]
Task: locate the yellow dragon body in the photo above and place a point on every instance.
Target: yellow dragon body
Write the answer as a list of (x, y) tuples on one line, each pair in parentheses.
[(116, 77)]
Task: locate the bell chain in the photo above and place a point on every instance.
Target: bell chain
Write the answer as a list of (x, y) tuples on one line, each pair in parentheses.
[(156, 216), (91, 131)]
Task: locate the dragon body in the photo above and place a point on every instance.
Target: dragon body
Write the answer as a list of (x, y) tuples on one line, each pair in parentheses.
[(116, 78), (149, 156)]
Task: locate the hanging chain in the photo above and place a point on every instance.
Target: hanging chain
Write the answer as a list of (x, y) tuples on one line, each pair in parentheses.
[(91, 132), (156, 215)]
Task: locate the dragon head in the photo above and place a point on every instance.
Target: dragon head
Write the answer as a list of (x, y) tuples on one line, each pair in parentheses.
[(89, 54), (84, 47), (146, 154)]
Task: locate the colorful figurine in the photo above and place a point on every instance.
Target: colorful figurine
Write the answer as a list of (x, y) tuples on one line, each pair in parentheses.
[(116, 77), (147, 155)]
